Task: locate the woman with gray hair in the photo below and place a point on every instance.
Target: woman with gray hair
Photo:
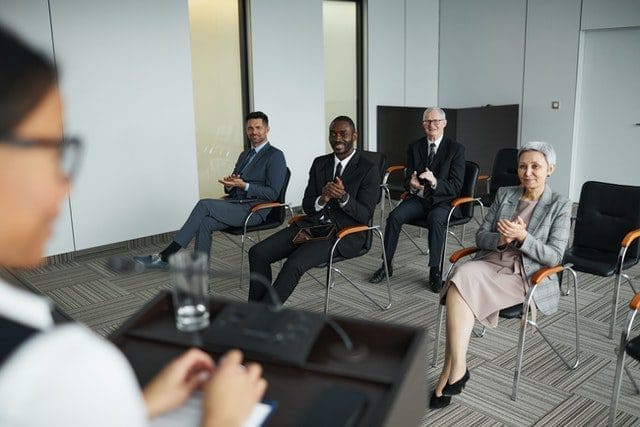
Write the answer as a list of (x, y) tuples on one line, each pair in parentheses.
[(527, 228)]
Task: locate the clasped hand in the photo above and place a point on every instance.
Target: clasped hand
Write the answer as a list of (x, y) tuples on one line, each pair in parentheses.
[(426, 175), (232, 180), (512, 230), (332, 190)]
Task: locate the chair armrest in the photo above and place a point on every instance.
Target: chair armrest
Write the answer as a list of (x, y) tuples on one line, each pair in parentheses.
[(483, 177), (545, 272), (462, 200), (461, 253), (353, 229), (634, 304), (389, 171), (296, 219), (267, 205), (630, 237)]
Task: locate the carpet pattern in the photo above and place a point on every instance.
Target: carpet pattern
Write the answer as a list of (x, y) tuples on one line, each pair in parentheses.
[(87, 291)]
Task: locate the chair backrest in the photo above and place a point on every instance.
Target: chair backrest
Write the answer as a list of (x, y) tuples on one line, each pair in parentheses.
[(606, 213), (280, 214), (379, 159), (505, 169), (471, 172)]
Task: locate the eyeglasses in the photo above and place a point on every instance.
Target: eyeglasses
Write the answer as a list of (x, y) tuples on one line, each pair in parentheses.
[(70, 151), (435, 121)]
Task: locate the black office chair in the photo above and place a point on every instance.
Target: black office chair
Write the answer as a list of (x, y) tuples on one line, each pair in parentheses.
[(628, 346), (608, 218), (461, 210), (519, 311), (504, 173), (275, 219), (334, 258)]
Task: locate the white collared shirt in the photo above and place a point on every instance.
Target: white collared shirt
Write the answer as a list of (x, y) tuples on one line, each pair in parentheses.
[(65, 375)]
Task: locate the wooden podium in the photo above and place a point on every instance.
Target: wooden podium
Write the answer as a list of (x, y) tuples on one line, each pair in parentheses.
[(388, 372)]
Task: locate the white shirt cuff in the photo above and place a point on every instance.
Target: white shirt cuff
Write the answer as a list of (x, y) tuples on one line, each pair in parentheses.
[(318, 206), (342, 205)]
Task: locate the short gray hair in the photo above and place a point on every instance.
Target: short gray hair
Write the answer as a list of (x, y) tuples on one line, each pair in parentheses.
[(542, 147), (440, 111)]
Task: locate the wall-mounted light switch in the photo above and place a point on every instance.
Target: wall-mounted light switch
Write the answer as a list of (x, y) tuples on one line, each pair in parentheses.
[(555, 105)]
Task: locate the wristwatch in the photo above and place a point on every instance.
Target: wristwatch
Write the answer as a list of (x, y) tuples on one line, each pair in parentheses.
[(344, 198)]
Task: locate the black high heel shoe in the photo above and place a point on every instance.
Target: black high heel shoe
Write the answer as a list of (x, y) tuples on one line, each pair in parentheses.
[(456, 388), (436, 402)]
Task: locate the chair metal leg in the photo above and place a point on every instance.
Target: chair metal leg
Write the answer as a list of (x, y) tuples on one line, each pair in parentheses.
[(482, 332), (526, 321), (331, 269), (633, 380), (617, 382), (614, 304)]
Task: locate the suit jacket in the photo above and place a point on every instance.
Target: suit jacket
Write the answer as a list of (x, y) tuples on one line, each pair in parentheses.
[(265, 175), (361, 179), (448, 168), (547, 237)]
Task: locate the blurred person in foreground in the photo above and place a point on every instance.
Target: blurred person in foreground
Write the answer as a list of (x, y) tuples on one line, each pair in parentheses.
[(65, 375)]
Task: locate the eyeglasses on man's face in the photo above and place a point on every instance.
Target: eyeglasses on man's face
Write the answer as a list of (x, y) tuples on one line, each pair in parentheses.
[(69, 150), (434, 121)]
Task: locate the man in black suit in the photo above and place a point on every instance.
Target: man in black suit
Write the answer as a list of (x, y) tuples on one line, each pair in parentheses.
[(343, 189), (258, 177), (434, 175)]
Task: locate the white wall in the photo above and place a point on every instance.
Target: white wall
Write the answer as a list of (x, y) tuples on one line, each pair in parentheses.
[(19, 15), (481, 52), (288, 81), (402, 56), (126, 84), (597, 14), (552, 39)]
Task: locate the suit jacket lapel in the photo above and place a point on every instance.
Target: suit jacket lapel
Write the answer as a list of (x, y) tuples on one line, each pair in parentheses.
[(351, 167), (261, 153), (511, 204), (539, 212), (440, 154), (328, 170)]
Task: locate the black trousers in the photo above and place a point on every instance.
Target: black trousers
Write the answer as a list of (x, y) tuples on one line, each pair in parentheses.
[(299, 259), (412, 209)]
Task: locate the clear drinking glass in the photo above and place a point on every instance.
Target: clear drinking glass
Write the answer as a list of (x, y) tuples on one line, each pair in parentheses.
[(189, 271)]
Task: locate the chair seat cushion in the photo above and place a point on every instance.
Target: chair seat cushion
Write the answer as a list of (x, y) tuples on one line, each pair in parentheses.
[(237, 231), (513, 312), (633, 348), (596, 262)]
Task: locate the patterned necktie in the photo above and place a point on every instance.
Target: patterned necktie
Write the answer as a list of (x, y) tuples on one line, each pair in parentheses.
[(338, 171), (432, 154), (247, 160)]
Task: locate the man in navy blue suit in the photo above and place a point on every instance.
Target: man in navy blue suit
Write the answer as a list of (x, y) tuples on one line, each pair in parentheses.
[(258, 177)]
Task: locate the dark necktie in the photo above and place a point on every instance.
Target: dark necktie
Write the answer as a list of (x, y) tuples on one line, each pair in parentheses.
[(338, 171), (432, 154), (247, 160)]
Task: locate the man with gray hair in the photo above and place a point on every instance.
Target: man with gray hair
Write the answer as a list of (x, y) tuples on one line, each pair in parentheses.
[(433, 175)]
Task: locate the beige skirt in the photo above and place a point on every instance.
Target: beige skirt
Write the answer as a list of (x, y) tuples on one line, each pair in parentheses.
[(487, 288)]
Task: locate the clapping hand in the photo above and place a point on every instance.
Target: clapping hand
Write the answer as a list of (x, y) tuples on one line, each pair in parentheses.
[(512, 230), (429, 177), (233, 180), (414, 183), (332, 190)]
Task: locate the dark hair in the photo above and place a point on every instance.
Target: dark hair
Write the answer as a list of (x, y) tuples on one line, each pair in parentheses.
[(346, 119), (25, 78), (257, 115)]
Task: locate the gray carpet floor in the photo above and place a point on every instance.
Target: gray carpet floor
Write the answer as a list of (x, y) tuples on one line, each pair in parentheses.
[(87, 291)]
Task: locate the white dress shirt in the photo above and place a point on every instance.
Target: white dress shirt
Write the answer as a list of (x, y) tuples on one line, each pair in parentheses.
[(63, 376)]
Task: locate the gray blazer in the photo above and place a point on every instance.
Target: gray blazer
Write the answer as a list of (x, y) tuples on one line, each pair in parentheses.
[(547, 237)]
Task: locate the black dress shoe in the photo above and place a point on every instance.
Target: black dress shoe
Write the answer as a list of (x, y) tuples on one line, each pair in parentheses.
[(436, 402), (435, 280), (380, 275), (456, 388)]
